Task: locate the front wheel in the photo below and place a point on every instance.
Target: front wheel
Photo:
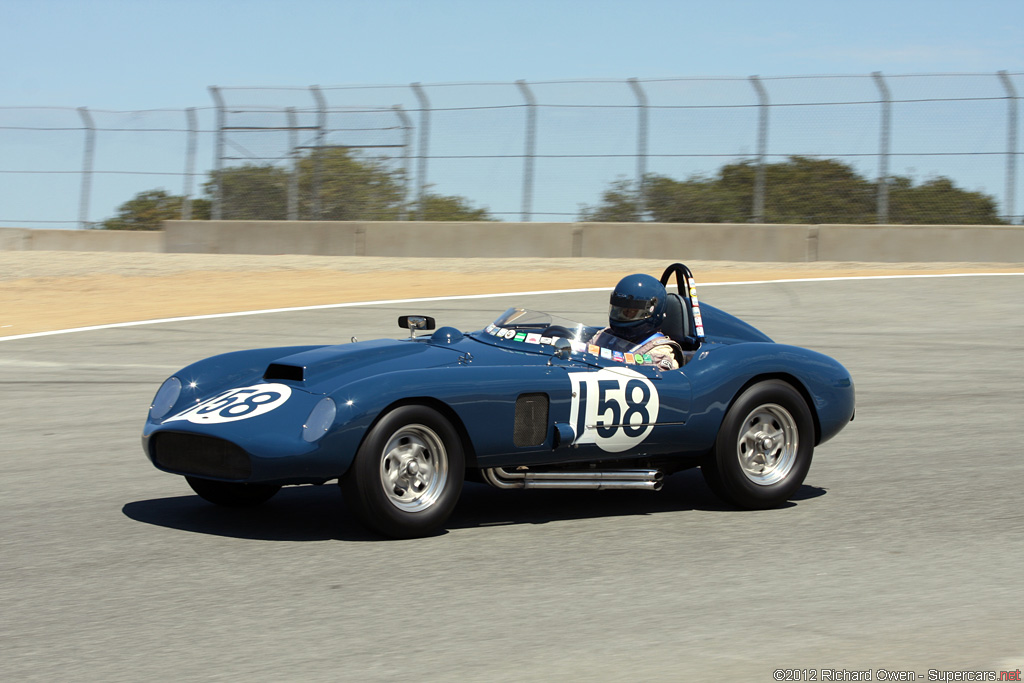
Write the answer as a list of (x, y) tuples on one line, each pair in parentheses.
[(764, 447), (407, 474), (232, 494)]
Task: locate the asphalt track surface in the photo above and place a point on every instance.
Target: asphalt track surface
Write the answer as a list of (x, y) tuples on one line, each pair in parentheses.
[(903, 551)]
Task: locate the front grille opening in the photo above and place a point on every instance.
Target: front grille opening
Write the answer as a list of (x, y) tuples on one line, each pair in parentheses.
[(203, 456), (530, 427)]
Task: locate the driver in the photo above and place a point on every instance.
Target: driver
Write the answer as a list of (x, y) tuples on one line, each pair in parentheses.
[(636, 313)]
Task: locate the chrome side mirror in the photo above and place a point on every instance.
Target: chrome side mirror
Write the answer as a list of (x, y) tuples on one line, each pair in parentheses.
[(415, 322)]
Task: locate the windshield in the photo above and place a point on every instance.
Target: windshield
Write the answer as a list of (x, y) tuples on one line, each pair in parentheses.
[(532, 330), (516, 320)]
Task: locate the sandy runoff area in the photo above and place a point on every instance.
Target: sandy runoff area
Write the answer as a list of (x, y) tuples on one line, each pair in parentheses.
[(52, 290)]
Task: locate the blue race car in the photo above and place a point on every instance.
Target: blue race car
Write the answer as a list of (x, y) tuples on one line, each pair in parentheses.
[(531, 401)]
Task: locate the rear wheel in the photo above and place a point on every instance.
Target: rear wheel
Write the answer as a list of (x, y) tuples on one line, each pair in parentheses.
[(764, 447), (232, 494), (407, 475)]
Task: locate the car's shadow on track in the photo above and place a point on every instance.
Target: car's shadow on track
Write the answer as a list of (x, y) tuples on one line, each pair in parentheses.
[(317, 513)]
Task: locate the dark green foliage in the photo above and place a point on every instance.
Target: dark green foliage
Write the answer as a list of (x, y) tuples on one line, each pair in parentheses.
[(799, 190), (351, 188), (939, 201), (619, 203), (450, 208), (147, 210), (251, 192)]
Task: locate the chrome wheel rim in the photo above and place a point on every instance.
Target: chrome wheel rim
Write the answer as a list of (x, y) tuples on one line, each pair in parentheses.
[(767, 444), (414, 468)]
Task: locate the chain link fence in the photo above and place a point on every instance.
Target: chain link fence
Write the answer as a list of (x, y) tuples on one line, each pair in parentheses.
[(533, 151)]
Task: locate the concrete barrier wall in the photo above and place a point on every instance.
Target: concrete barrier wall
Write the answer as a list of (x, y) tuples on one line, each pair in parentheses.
[(427, 239), (493, 240), (326, 238), (679, 241), (31, 239), (912, 243), (711, 241)]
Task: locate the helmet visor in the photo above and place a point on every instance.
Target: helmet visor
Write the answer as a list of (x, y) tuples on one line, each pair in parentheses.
[(628, 310)]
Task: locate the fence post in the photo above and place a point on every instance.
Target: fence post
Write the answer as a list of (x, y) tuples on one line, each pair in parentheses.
[(321, 133), (217, 210), (757, 213), (190, 165), (87, 161), (641, 148), (421, 166), (883, 152), (293, 177), (530, 149), (1011, 146), (406, 144)]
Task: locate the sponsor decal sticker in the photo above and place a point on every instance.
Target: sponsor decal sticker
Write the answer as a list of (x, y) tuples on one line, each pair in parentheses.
[(509, 334), (578, 347), (617, 356), (629, 359), (490, 329), (547, 340), (594, 350), (696, 309), (606, 354), (533, 338), (520, 336), (648, 359)]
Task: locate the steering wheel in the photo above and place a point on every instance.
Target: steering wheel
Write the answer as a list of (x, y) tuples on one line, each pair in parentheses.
[(557, 331)]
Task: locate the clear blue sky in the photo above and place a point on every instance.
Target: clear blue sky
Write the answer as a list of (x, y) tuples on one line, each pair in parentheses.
[(129, 55), (140, 54)]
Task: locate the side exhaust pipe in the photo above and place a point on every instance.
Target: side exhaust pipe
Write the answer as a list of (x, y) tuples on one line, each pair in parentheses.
[(650, 480)]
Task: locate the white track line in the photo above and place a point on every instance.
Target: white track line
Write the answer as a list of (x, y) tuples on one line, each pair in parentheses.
[(464, 297)]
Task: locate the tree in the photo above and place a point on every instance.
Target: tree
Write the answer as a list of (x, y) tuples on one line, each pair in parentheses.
[(798, 190), (147, 210), (251, 192), (619, 204), (803, 190), (351, 188), (450, 208), (939, 201), (695, 200)]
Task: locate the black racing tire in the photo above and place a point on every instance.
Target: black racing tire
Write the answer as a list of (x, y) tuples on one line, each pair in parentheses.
[(407, 475), (764, 447), (232, 494)]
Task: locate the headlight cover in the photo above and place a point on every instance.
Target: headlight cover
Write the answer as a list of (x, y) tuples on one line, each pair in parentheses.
[(166, 396), (320, 420)]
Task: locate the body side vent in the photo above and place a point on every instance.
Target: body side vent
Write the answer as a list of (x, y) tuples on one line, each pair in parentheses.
[(531, 421)]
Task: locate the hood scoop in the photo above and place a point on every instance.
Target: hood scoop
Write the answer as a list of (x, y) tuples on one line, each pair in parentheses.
[(295, 373)]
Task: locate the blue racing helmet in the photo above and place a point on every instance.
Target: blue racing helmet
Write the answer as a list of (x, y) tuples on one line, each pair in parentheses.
[(637, 307)]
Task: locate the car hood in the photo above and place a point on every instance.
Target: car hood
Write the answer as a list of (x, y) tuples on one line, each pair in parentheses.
[(323, 369)]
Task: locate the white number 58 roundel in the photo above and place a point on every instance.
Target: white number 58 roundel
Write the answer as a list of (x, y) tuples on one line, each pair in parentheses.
[(614, 409), (236, 404)]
